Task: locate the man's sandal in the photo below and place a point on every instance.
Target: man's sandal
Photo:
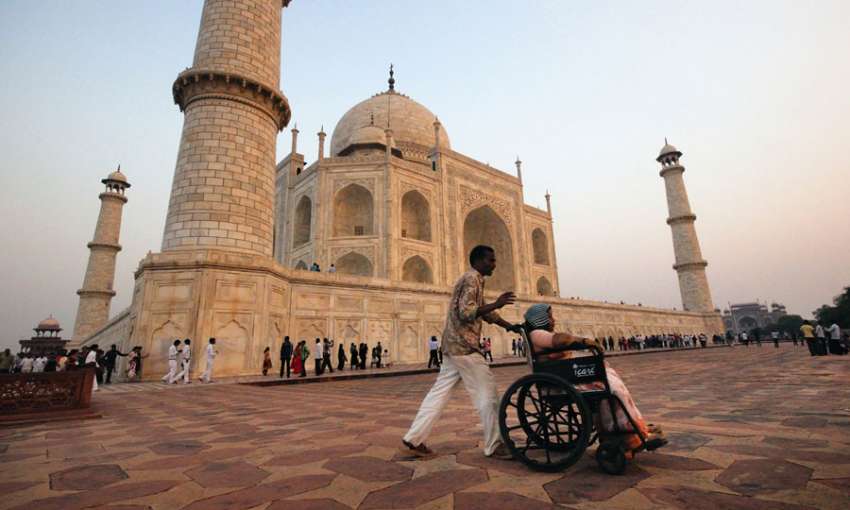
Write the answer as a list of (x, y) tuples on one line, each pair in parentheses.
[(421, 451)]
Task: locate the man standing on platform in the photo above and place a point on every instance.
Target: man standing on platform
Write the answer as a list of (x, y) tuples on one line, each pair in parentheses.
[(172, 363), (464, 359), (318, 354), (211, 354), (185, 362), (109, 361), (433, 345), (327, 347), (285, 356)]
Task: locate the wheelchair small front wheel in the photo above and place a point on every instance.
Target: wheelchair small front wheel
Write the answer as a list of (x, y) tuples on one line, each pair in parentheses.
[(611, 458)]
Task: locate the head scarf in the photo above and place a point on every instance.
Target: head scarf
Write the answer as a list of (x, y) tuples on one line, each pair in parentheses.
[(537, 316)]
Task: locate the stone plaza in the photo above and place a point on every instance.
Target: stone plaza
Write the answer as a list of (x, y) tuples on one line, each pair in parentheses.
[(749, 428)]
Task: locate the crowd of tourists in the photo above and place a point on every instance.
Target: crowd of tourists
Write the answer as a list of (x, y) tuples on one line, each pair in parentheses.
[(640, 342), (295, 357), (822, 341), (104, 362)]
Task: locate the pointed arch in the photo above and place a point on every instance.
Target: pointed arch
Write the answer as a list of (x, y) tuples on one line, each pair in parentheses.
[(540, 245), (484, 226), (415, 216), (417, 270), (303, 222), (354, 212), (354, 263), (544, 287), (301, 265)]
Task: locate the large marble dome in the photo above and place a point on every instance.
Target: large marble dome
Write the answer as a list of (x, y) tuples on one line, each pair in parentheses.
[(410, 121)]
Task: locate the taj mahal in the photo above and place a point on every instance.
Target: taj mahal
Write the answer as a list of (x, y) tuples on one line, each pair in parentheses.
[(392, 204)]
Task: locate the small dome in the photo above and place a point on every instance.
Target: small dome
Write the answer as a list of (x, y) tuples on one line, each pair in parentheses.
[(410, 121), (48, 324), (368, 135), (668, 149), (118, 177)]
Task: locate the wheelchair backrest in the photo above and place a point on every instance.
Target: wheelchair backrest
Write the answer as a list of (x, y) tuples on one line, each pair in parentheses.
[(578, 370)]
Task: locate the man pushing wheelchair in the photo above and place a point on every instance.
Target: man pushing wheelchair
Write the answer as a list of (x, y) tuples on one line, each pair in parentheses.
[(547, 418)]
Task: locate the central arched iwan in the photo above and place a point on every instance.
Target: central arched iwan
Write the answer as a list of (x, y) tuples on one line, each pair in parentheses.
[(303, 221), (484, 226), (415, 216), (353, 212), (354, 264), (416, 269)]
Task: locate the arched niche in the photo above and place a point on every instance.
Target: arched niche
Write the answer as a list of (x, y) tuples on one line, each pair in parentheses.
[(544, 287), (354, 264), (415, 216), (353, 212), (301, 265), (417, 270), (540, 246), (303, 222), (484, 226)]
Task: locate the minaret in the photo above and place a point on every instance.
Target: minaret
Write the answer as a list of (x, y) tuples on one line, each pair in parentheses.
[(294, 139), (518, 164), (322, 136), (693, 284), (222, 196), (96, 293)]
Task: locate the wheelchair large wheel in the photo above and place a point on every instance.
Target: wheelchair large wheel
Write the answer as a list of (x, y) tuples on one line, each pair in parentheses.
[(545, 422)]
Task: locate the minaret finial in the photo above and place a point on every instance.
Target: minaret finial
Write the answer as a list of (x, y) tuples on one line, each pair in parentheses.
[(391, 81), (665, 141)]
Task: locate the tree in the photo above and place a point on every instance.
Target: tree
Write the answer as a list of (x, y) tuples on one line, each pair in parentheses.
[(840, 313), (789, 324)]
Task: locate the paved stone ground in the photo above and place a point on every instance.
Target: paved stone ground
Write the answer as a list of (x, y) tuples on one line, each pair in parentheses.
[(750, 428)]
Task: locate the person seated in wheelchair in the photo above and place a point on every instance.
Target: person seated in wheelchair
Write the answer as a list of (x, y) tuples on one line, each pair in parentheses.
[(551, 345)]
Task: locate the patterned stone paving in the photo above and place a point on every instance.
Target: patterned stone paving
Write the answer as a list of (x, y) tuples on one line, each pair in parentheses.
[(756, 428)]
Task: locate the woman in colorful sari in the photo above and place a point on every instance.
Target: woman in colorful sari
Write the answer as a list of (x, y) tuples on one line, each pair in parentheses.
[(296, 359), (551, 345)]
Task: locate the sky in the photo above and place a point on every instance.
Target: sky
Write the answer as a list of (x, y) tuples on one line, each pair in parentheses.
[(755, 94)]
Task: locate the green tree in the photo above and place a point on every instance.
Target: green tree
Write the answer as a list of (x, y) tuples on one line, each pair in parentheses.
[(789, 324), (839, 313)]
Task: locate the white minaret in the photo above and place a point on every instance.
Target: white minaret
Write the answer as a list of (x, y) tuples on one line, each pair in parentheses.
[(693, 284), (96, 293)]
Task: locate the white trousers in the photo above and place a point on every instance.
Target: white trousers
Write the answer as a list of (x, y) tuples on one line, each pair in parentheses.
[(184, 373), (207, 375), (172, 371), (475, 373)]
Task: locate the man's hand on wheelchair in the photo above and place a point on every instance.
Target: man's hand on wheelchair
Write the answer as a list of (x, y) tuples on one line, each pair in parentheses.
[(515, 328)]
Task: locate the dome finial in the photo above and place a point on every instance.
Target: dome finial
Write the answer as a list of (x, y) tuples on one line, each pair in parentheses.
[(391, 81)]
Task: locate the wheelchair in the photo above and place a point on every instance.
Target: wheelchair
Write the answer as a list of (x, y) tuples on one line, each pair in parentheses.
[(547, 423)]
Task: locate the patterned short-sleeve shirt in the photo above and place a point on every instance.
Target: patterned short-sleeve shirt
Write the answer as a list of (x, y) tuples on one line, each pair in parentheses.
[(463, 325)]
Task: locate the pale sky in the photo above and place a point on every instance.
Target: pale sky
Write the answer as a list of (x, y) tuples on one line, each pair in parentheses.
[(755, 93)]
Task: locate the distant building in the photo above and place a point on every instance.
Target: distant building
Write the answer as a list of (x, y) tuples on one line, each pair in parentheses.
[(742, 317), (46, 340)]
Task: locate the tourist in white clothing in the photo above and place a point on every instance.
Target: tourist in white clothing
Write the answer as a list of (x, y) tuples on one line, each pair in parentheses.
[(185, 362), (39, 363), (91, 361), (26, 364), (172, 363), (211, 354)]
